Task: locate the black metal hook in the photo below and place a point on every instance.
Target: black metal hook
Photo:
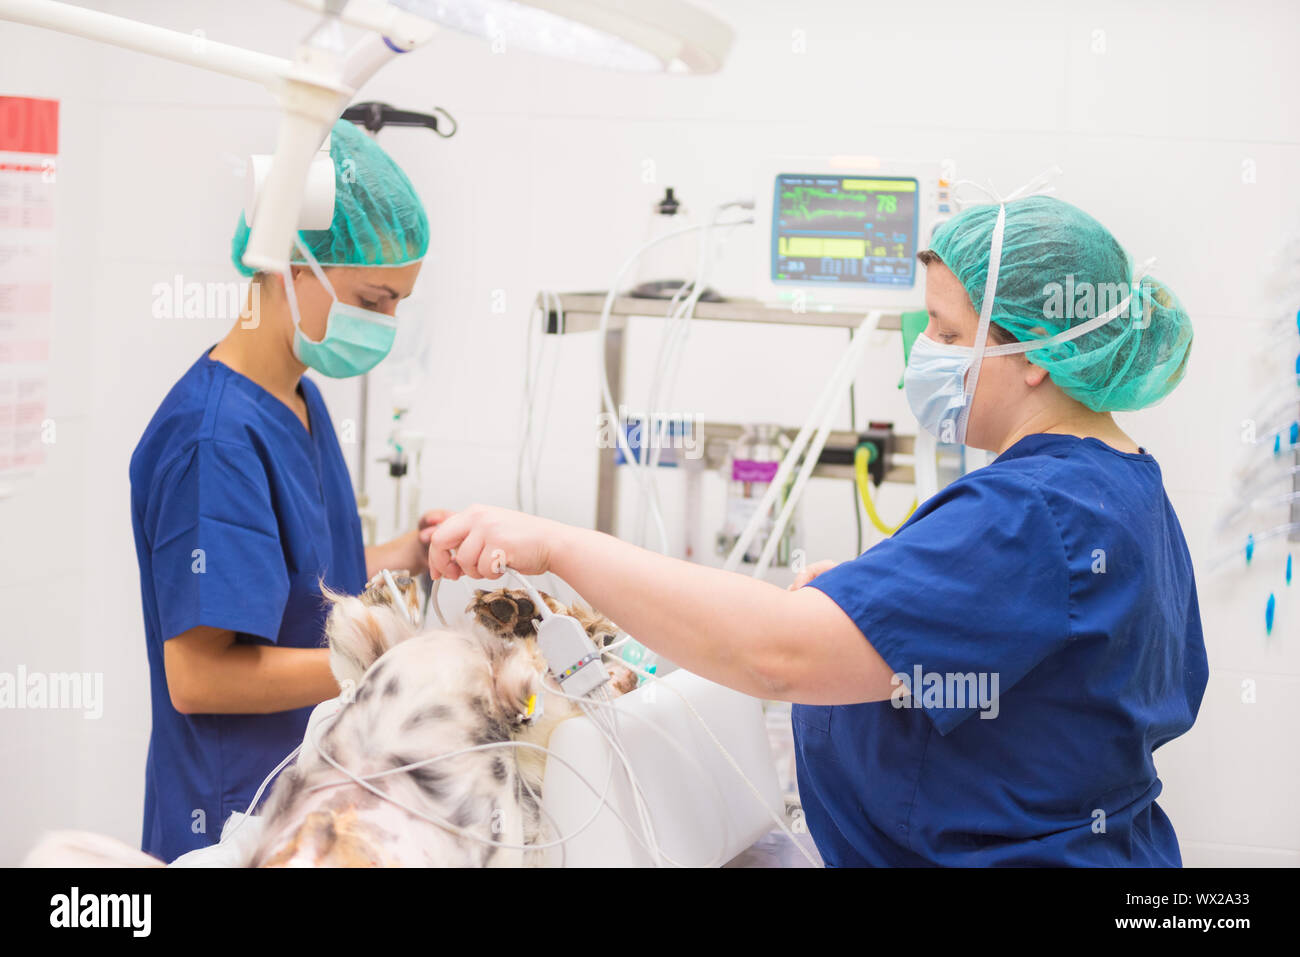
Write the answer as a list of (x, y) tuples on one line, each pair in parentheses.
[(375, 116)]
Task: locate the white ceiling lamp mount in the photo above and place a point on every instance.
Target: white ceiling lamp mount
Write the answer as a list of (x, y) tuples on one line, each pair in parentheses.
[(314, 87), (642, 35)]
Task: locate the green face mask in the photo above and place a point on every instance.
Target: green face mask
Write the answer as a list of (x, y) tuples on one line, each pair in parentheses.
[(355, 341)]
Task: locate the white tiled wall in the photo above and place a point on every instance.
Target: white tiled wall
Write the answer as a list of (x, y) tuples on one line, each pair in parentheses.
[(1153, 109)]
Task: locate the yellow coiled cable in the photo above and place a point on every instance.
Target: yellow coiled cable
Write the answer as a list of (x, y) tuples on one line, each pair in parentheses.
[(861, 459)]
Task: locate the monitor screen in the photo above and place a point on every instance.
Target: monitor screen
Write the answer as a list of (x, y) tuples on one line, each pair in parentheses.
[(850, 230)]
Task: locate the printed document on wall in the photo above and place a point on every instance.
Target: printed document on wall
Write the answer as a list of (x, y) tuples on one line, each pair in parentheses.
[(29, 146)]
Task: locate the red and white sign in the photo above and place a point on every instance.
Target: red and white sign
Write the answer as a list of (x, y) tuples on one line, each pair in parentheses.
[(29, 147)]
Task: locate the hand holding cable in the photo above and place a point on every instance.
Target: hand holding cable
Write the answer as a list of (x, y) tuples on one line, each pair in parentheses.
[(478, 533)]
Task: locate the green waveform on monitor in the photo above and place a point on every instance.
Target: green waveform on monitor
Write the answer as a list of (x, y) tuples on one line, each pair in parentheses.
[(803, 212), (800, 195)]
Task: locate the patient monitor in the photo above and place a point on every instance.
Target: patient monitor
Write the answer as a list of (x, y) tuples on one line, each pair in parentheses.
[(842, 233)]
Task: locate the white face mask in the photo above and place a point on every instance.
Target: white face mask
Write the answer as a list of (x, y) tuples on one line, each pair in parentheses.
[(940, 379), (935, 383)]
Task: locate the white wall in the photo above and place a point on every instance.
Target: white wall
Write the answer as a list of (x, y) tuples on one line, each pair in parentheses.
[(1151, 108)]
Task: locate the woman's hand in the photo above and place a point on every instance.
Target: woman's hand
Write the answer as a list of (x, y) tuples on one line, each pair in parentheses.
[(481, 534), (429, 521), (407, 552), (809, 573)]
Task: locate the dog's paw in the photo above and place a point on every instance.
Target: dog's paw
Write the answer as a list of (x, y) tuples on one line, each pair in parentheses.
[(509, 612), (408, 598)]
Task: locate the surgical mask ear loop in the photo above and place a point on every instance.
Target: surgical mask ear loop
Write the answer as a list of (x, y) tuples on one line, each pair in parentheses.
[(986, 316), (293, 297), (1036, 186), (315, 266), (1124, 305), (289, 292)]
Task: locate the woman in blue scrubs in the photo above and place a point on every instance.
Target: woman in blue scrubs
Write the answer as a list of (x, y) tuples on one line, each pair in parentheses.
[(988, 685), (242, 506)]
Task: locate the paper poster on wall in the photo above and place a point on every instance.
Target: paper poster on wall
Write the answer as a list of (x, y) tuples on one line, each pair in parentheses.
[(29, 146)]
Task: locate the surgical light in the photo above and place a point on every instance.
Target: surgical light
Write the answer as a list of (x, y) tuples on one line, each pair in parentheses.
[(645, 35), (314, 87)]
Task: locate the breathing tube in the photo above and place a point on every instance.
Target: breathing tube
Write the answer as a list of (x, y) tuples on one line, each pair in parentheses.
[(862, 456)]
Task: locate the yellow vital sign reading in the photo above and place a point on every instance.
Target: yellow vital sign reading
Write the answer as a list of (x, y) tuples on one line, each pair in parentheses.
[(815, 247), (855, 230), (881, 185)]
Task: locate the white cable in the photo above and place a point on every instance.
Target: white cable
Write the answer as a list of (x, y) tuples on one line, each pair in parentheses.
[(526, 412), (650, 448), (530, 449), (589, 706), (618, 643), (639, 804), (541, 433), (642, 804), (500, 566), (732, 761), (616, 711), (606, 393), (398, 600), (602, 798), (783, 471), (433, 600), (837, 385), (258, 796), (433, 819), (349, 778), (676, 332), (554, 345), (829, 396), (678, 313), (609, 730), (673, 340), (610, 734), (555, 828)]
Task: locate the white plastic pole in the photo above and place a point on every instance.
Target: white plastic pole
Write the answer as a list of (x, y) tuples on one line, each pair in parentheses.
[(188, 48), (839, 382), (819, 410)]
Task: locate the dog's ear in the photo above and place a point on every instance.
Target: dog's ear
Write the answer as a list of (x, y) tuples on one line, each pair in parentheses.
[(357, 634)]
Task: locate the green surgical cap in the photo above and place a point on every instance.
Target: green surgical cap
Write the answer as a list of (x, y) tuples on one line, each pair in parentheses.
[(378, 218), (1059, 268)]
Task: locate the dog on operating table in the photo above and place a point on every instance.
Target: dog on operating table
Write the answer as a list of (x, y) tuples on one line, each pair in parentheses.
[(410, 695)]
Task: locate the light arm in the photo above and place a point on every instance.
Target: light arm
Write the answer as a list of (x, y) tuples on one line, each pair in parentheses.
[(738, 631)]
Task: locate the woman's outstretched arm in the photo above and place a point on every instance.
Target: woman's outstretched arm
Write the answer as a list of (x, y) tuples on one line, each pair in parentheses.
[(727, 627)]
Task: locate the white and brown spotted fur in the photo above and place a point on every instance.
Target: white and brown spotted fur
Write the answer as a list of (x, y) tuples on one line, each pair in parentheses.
[(418, 693)]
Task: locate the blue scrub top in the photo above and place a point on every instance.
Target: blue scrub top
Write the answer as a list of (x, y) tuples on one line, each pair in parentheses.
[(1060, 567), (239, 513)]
